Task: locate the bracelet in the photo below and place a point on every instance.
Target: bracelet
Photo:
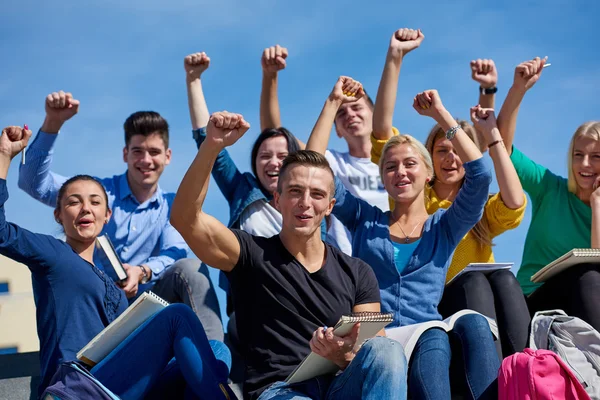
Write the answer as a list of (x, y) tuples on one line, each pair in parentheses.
[(488, 91), (495, 142), (450, 133)]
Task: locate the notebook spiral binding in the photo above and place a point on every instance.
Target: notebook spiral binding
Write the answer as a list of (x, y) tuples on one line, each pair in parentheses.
[(367, 316), (157, 297)]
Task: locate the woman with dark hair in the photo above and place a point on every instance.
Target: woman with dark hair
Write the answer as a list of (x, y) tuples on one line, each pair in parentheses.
[(75, 300)]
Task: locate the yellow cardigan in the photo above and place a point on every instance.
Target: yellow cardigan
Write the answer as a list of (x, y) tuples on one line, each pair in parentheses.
[(499, 217)]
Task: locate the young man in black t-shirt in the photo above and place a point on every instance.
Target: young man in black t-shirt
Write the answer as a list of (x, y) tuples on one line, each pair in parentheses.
[(288, 288)]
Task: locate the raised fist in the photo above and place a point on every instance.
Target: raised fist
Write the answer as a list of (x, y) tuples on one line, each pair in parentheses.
[(527, 73), (484, 121), (484, 72), (225, 128), (347, 90), (405, 40), (273, 58), (428, 103), (195, 64), (13, 140), (61, 106)]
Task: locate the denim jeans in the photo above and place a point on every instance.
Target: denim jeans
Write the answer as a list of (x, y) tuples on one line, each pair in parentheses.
[(144, 361), (187, 281), (377, 372), (468, 351)]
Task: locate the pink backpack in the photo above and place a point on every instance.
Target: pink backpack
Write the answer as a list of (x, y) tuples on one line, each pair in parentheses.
[(538, 375)]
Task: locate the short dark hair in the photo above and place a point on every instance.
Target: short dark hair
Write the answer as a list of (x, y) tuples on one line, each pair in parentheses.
[(77, 178), (146, 123), (292, 143), (307, 158)]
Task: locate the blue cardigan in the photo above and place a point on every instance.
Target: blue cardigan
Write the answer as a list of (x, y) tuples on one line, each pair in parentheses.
[(413, 295), (74, 300)]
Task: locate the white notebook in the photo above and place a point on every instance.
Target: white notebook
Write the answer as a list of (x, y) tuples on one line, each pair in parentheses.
[(106, 341), (573, 257), (486, 268), (105, 245), (409, 334), (314, 365)]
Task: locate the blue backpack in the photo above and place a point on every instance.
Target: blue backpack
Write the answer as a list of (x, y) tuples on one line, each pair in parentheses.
[(72, 381)]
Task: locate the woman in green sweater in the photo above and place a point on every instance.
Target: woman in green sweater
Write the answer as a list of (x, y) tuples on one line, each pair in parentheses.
[(565, 212)]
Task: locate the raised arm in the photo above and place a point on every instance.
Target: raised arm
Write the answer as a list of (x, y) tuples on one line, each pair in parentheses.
[(511, 190), (208, 238), (429, 103), (402, 42), (345, 90), (195, 64), (272, 61), (35, 177), (526, 75), (483, 71)]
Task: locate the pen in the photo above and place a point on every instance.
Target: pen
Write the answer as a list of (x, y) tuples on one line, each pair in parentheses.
[(23, 152)]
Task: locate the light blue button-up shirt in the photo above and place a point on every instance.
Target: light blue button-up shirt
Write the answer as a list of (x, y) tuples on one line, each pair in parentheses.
[(140, 233)]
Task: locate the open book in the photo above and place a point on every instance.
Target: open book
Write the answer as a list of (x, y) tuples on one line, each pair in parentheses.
[(135, 315), (573, 257), (109, 254), (314, 365), (409, 334), (486, 268)]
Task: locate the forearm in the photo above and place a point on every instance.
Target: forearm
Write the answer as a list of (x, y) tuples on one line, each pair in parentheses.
[(466, 149), (270, 116), (386, 98), (487, 100), (319, 137), (51, 125), (511, 190), (595, 224), (507, 119), (197, 104), (4, 165)]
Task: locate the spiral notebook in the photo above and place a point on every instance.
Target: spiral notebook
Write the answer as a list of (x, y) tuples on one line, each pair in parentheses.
[(135, 315), (109, 256), (573, 257), (315, 365)]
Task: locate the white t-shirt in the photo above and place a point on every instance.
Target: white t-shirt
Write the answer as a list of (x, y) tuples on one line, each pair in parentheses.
[(261, 219), (361, 178)]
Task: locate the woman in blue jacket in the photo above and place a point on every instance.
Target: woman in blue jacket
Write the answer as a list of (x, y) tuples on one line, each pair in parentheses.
[(75, 300), (410, 250)]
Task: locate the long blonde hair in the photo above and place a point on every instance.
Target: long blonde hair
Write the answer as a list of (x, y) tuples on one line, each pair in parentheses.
[(401, 139), (481, 230), (590, 129)]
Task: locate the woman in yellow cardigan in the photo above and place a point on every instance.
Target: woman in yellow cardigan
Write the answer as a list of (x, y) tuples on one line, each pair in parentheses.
[(496, 295)]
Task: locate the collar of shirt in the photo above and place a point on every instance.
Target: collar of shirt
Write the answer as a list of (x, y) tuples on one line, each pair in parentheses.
[(125, 191), (433, 202)]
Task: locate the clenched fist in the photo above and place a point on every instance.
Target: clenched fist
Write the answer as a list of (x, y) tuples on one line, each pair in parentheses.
[(346, 90), (60, 107), (527, 73), (225, 128), (484, 72), (428, 103), (13, 140), (484, 121), (195, 64), (273, 59), (404, 41)]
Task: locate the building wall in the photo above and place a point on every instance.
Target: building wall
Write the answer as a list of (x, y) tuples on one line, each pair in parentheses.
[(17, 308)]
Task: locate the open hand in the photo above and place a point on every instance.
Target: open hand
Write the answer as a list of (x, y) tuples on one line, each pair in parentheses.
[(195, 64), (225, 128), (338, 349)]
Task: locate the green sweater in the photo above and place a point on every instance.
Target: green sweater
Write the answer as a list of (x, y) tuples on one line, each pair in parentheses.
[(560, 221)]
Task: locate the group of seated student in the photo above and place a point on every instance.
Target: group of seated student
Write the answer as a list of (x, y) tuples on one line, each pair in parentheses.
[(313, 234)]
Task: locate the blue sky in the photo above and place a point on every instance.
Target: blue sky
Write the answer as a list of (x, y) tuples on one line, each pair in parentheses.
[(118, 57)]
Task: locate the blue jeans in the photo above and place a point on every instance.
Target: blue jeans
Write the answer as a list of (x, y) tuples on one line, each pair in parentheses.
[(377, 372), (143, 363), (475, 361)]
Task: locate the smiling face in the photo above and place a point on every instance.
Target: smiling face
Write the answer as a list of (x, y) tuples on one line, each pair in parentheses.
[(268, 161), (404, 173), (354, 120), (447, 164), (146, 158), (586, 163), (304, 199), (82, 211)]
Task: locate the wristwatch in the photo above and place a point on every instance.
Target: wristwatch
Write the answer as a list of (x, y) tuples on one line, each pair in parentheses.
[(491, 90), (145, 276)]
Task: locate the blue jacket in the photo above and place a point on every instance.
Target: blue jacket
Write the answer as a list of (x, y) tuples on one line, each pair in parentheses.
[(413, 295)]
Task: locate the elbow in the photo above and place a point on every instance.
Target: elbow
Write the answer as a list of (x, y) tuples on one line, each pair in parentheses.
[(514, 201), (382, 130)]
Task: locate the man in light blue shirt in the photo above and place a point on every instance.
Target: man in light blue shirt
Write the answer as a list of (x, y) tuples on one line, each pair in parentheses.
[(152, 251)]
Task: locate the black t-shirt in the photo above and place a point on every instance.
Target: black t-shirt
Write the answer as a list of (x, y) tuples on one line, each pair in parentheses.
[(279, 304)]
